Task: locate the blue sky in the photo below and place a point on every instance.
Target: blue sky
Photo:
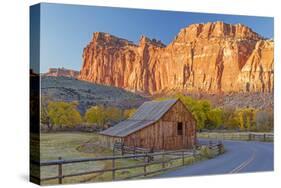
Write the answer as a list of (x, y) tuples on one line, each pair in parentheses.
[(67, 29)]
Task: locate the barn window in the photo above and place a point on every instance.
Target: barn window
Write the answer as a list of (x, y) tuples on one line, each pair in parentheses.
[(180, 128)]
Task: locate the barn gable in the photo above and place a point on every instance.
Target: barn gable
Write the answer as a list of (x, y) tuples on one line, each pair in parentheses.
[(147, 114)]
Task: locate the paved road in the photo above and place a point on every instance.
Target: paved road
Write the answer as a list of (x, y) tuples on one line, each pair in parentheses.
[(241, 156)]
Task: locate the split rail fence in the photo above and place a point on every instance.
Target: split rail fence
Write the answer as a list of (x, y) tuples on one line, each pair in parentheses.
[(264, 137), (162, 158)]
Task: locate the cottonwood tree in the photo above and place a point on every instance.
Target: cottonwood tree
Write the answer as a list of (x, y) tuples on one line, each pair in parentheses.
[(101, 115), (129, 112), (44, 113), (264, 120), (64, 114)]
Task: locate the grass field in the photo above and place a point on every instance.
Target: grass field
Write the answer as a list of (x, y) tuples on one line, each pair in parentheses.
[(67, 146), (84, 145)]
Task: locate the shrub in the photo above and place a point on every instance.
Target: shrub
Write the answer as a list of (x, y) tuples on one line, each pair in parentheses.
[(206, 152)]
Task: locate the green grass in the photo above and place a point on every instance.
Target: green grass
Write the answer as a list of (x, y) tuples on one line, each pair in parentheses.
[(84, 145)]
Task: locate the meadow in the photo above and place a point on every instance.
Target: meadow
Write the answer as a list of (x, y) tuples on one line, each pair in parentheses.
[(78, 145)]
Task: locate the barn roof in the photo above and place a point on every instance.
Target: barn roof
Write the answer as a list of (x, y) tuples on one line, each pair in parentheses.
[(147, 113)]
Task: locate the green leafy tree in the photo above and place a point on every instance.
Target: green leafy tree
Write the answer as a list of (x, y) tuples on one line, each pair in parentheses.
[(199, 108), (214, 118), (64, 114)]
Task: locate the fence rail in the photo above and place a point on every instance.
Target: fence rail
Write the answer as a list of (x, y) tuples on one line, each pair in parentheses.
[(148, 159), (265, 137), (118, 146)]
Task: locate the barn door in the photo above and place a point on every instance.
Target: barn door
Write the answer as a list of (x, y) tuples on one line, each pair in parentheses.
[(180, 134)]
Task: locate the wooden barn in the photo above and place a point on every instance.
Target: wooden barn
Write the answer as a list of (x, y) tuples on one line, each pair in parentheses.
[(161, 125)]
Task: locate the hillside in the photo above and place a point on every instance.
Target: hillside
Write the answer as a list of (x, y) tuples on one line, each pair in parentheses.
[(87, 94)]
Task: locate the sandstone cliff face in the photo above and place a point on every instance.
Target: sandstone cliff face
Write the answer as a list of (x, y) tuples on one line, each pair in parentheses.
[(212, 57), (62, 72)]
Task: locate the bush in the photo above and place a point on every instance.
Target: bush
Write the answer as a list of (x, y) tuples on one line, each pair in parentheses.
[(206, 152)]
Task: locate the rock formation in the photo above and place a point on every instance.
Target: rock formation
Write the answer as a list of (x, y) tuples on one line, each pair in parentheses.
[(62, 72), (212, 57)]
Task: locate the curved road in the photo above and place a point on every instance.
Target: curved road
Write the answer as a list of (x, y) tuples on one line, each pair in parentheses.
[(240, 156)]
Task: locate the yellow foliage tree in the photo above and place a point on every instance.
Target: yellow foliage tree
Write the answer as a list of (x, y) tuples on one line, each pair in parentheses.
[(100, 115), (95, 114), (129, 112), (64, 114), (246, 118)]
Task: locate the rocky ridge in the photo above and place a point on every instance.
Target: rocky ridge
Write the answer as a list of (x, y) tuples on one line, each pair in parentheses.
[(213, 58)]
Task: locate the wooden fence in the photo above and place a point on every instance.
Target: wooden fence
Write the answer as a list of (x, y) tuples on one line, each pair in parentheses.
[(265, 137), (123, 149), (148, 159)]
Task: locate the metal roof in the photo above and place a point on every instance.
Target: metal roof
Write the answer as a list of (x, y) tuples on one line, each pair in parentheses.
[(147, 113)]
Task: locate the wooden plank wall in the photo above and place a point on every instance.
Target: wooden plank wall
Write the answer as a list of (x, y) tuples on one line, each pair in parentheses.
[(163, 134), (108, 141)]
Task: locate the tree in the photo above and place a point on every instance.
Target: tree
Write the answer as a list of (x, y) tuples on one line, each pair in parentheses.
[(264, 120), (214, 118), (64, 114), (129, 112), (199, 108), (96, 114), (44, 113), (229, 120), (101, 115), (245, 118), (113, 114)]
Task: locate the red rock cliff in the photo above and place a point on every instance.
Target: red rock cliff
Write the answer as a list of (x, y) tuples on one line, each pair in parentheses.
[(211, 57)]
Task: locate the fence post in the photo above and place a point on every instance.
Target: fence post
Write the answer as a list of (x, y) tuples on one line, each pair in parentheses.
[(122, 148), (220, 147), (135, 150), (182, 158), (163, 159), (60, 170), (113, 150), (144, 167), (210, 144), (194, 151), (113, 168), (264, 137)]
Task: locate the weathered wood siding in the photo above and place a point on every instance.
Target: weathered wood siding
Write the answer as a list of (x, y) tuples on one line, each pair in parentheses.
[(164, 133), (108, 141)]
